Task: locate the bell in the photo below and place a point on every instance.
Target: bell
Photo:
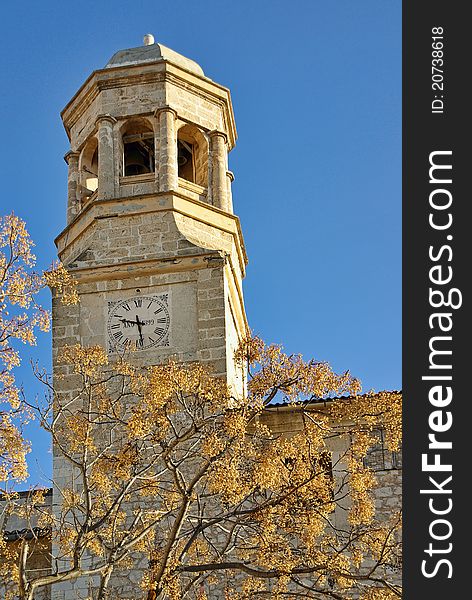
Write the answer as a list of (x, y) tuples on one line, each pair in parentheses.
[(136, 159)]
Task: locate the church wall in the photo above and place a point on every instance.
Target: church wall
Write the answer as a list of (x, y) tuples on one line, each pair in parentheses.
[(124, 101), (385, 465), (195, 106), (134, 98), (233, 335), (123, 238), (197, 334)]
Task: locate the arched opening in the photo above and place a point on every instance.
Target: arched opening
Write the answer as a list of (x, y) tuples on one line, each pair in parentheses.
[(192, 155), (89, 168), (186, 160), (138, 148)]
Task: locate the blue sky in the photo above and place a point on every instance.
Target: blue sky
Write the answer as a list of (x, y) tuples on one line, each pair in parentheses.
[(316, 88)]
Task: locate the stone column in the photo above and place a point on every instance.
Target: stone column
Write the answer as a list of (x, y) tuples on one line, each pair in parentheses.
[(73, 202), (218, 155), (168, 169), (229, 193), (106, 157), (157, 146)]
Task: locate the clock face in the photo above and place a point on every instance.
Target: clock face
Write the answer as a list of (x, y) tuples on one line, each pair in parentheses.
[(138, 323)]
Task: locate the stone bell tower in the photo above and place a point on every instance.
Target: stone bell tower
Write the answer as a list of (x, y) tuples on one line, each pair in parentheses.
[(151, 236)]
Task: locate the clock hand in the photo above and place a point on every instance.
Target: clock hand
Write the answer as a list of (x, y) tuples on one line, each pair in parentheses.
[(128, 321), (138, 323)]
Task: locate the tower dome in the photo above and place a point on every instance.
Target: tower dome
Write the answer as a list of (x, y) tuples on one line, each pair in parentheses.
[(152, 52)]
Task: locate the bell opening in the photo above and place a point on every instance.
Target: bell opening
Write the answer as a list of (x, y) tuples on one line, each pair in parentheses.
[(138, 154), (185, 160)]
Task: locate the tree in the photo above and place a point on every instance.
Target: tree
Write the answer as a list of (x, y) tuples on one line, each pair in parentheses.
[(20, 317), (172, 474)]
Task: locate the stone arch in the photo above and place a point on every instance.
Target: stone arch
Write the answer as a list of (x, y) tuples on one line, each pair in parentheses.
[(137, 147), (192, 155)]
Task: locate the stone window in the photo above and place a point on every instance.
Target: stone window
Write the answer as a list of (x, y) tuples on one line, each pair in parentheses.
[(379, 458), (138, 148)]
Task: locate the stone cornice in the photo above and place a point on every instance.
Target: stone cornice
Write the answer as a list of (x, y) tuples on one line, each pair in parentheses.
[(130, 270), (152, 203), (142, 267)]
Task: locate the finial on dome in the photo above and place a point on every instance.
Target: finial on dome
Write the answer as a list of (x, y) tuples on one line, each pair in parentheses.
[(148, 39)]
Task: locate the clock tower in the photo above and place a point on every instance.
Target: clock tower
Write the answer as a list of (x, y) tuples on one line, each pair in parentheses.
[(151, 237)]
